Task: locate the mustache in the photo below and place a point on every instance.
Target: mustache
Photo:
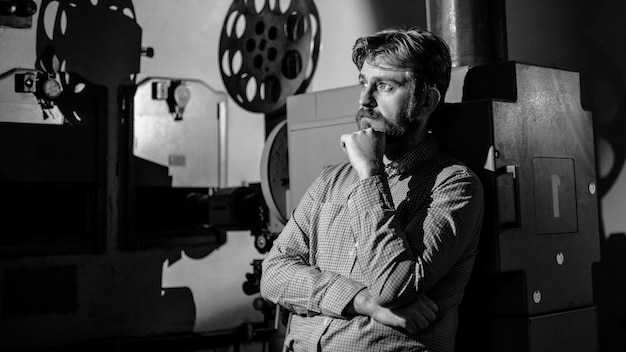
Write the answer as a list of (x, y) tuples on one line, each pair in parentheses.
[(368, 113)]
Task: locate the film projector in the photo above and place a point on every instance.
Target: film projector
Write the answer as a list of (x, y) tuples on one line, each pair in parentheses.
[(268, 52), (266, 55)]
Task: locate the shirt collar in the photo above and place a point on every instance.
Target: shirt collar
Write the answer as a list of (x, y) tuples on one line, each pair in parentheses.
[(408, 162)]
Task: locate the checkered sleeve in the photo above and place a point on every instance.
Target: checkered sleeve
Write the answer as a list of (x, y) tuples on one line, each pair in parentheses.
[(290, 279), (395, 272), (383, 251), (451, 222)]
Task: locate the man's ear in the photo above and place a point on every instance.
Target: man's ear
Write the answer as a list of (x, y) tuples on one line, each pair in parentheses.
[(431, 100)]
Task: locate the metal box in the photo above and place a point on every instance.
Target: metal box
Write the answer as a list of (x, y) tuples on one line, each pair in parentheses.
[(532, 145), (174, 156)]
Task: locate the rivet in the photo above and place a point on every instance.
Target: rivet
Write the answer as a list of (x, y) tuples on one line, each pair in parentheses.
[(592, 187), (560, 258), (537, 296)]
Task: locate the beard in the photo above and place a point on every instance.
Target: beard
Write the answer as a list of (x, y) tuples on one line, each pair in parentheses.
[(406, 121)]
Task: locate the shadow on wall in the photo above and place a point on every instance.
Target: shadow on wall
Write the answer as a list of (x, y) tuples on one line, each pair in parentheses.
[(610, 293), (62, 300), (101, 41), (603, 88)]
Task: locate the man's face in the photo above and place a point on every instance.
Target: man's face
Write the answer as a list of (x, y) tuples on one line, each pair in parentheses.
[(387, 102)]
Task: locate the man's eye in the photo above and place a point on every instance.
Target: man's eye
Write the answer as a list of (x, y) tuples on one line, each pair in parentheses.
[(384, 86), (363, 84)]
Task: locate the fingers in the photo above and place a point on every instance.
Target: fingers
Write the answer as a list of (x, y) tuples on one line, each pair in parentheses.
[(415, 322), (421, 321), (429, 303), (427, 307), (344, 138), (367, 139), (348, 140), (426, 313), (420, 314), (411, 327)]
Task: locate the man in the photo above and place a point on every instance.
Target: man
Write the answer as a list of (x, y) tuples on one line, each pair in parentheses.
[(377, 254)]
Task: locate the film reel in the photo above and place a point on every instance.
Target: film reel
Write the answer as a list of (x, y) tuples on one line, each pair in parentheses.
[(268, 51), (275, 172)]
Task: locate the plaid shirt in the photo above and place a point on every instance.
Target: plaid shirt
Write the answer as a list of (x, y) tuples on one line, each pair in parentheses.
[(414, 230)]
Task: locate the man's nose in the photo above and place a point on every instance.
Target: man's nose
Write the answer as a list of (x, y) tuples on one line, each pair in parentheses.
[(367, 99)]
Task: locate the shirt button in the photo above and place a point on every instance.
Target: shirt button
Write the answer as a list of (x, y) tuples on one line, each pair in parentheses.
[(326, 321), (352, 252)]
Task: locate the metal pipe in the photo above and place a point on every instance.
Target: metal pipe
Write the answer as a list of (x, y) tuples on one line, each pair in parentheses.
[(222, 117), (475, 30)]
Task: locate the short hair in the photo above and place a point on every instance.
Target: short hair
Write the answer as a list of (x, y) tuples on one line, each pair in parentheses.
[(414, 49)]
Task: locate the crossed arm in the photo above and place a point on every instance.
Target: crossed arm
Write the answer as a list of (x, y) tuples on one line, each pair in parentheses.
[(395, 272)]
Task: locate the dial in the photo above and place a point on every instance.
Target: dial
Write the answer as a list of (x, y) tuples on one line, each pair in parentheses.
[(51, 88)]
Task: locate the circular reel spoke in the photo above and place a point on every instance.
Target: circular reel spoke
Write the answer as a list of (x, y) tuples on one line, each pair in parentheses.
[(268, 51)]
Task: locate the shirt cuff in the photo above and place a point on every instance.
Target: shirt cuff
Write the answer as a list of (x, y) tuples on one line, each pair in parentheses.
[(339, 295), (370, 192)]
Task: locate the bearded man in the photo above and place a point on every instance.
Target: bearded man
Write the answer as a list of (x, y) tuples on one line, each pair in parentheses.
[(378, 252)]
